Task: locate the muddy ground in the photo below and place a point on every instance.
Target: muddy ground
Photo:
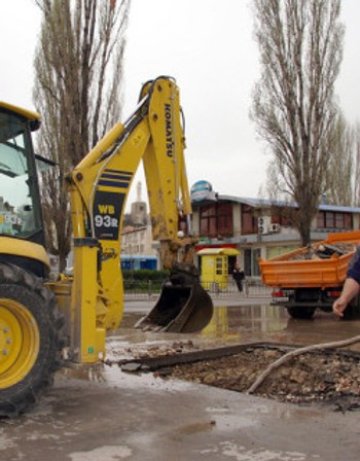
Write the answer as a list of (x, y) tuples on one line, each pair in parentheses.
[(103, 413), (328, 378)]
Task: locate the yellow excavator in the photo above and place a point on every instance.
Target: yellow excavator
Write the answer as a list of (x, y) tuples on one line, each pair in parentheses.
[(44, 322)]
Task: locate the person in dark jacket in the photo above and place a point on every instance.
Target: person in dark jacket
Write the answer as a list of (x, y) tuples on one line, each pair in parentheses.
[(351, 286), (238, 275)]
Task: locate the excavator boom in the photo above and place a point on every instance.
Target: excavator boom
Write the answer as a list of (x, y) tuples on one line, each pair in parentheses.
[(98, 188)]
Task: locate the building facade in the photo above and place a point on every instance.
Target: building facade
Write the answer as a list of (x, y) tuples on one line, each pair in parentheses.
[(261, 228), (255, 227)]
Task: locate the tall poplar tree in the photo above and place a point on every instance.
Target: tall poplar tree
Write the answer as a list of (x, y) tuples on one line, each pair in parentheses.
[(300, 43), (78, 92)]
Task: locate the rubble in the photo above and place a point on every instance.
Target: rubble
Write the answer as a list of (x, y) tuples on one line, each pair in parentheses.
[(327, 378), (148, 350)]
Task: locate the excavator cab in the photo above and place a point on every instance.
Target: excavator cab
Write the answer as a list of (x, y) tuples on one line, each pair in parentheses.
[(20, 213), (21, 224)]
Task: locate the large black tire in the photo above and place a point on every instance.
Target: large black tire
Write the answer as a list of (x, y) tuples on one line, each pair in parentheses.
[(30, 339), (301, 312)]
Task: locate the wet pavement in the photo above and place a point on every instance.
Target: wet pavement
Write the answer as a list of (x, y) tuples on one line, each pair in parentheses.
[(238, 319), (101, 413)]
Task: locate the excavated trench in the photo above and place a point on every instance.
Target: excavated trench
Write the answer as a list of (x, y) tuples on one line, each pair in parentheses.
[(327, 377)]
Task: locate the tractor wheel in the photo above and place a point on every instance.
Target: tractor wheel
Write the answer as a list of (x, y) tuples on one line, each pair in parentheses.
[(30, 339)]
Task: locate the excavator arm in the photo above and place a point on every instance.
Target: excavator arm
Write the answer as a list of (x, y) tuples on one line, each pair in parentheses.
[(98, 187)]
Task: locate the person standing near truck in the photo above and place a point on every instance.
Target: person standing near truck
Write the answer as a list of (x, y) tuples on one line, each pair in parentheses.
[(351, 286)]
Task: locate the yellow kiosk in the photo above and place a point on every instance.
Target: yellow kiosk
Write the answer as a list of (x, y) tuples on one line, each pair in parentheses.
[(214, 271)]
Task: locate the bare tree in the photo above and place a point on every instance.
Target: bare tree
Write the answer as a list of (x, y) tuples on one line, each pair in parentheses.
[(275, 187), (356, 149), (78, 91), (339, 185), (300, 43)]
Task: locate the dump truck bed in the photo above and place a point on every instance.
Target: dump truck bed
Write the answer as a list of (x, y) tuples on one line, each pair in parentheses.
[(323, 264)]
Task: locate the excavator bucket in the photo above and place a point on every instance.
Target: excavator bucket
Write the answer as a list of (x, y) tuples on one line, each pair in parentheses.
[(183, 307)]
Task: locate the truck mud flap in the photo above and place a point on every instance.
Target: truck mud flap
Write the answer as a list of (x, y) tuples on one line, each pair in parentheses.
[(180, 309)]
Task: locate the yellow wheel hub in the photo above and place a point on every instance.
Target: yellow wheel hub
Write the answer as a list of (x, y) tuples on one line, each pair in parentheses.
[(19, 342)]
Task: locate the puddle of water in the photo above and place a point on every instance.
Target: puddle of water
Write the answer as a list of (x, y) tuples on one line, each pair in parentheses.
[(253, 414), (230, 322), (243, 323), (110, 453), (238, 452)]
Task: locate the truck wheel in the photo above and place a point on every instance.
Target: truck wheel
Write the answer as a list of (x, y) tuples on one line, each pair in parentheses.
[(30, 341), (301, 312)]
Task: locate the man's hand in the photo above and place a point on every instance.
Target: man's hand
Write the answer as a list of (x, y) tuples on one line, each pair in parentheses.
[(349, 291)]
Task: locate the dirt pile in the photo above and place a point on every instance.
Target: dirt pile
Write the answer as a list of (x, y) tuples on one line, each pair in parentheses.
[(326, 377), (329, 378)]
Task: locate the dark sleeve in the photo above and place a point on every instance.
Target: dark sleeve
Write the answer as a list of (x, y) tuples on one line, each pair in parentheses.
[(354, 267)]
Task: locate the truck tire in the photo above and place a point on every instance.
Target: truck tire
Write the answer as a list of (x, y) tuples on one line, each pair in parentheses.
[(30, 339), (301, 312)]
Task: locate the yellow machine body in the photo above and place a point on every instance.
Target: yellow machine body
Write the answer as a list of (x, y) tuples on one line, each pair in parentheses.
[(91, 299), (22, 248), (99, 186)]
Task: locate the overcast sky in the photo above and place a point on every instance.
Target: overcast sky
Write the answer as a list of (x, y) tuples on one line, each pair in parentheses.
[(208, 46)]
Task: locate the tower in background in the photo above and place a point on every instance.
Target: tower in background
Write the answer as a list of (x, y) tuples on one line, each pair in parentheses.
[(138, 213)]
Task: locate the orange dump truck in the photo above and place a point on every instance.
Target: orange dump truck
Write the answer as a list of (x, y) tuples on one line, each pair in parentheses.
[(312, 277)]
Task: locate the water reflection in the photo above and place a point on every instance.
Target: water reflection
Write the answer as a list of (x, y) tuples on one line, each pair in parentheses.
[(253, 322), (266, 322), (230, 322)]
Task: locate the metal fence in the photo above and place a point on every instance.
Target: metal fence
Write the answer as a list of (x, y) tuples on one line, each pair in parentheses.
[(252, 287)]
